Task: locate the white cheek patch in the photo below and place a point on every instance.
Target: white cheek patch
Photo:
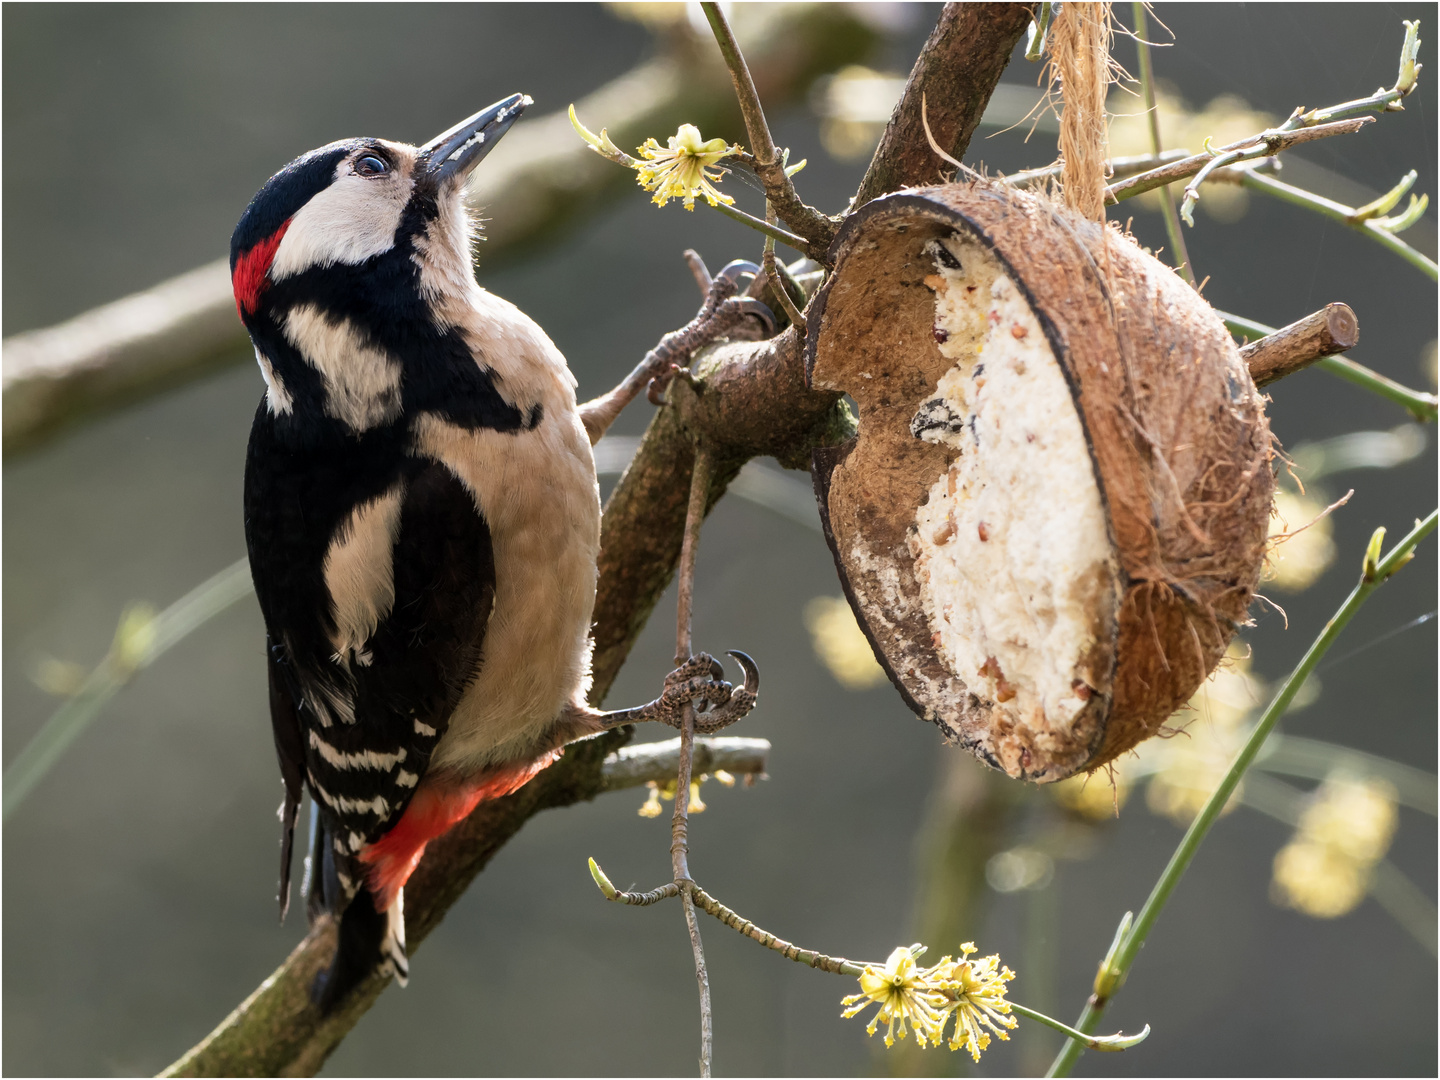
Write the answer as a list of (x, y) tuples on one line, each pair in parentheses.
[(352, 220), (362, 383), (1012, 548), (359, 572), (277, 398)]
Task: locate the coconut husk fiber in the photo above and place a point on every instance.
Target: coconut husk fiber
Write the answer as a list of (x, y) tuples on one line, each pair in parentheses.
[(1175, 429)]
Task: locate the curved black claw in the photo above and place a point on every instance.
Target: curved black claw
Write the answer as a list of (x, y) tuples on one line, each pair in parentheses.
[(747, 665), (735, 269), (748, 305)]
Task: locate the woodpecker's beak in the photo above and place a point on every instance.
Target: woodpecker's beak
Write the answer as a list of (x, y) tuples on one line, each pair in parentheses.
[(455, 152)]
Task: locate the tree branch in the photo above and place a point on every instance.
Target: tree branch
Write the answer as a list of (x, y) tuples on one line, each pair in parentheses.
[(956, 71)]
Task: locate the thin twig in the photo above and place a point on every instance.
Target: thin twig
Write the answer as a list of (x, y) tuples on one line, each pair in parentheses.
[(1380, 101), (836, 965), (1265, 144), (639, 899), (769, 230), (632, 766), (1375, 571), (1346, 215), (680, 822), (777, 279), (1178, 251), (1120, 167), (817, 228), (1135, 164), (1105, 1043), (1332, 330), (1039, 30)]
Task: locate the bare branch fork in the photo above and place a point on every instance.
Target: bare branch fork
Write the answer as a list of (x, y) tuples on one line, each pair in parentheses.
[(817, 228)]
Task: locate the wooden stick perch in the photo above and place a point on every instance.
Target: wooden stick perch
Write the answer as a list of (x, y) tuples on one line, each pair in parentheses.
[(1333, 329)]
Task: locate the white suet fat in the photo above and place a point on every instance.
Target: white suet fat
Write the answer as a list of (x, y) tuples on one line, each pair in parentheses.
[(1011, 548)]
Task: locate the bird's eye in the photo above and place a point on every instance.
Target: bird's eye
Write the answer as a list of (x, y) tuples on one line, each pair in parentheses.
[(370, 165)]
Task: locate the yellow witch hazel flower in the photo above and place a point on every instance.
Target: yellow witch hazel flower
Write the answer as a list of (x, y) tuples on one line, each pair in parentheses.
[(973, 991), (977, 989), (906, 994), (681, 172)]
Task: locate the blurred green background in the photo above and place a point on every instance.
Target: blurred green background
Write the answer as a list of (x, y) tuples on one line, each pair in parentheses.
[(139, 876)]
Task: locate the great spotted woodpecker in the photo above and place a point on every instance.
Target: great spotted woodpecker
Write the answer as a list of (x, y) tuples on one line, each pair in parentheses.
[(423, 522)]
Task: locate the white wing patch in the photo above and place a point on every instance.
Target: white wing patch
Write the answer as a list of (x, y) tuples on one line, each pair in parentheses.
[(362, 383), (359, 572)]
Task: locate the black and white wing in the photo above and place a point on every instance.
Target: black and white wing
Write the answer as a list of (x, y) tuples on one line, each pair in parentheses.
[(375, 600)]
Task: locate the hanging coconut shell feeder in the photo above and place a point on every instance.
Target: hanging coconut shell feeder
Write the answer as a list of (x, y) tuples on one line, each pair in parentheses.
[(1053, 517)]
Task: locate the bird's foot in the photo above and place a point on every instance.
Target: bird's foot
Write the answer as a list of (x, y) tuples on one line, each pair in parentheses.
[(698, 681), (728, 311)]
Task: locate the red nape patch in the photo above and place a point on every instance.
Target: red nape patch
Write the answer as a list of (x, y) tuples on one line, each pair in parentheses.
[(248, 277), (431, 813)]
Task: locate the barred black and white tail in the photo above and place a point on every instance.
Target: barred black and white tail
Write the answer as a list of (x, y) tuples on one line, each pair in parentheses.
[(369, 940)]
